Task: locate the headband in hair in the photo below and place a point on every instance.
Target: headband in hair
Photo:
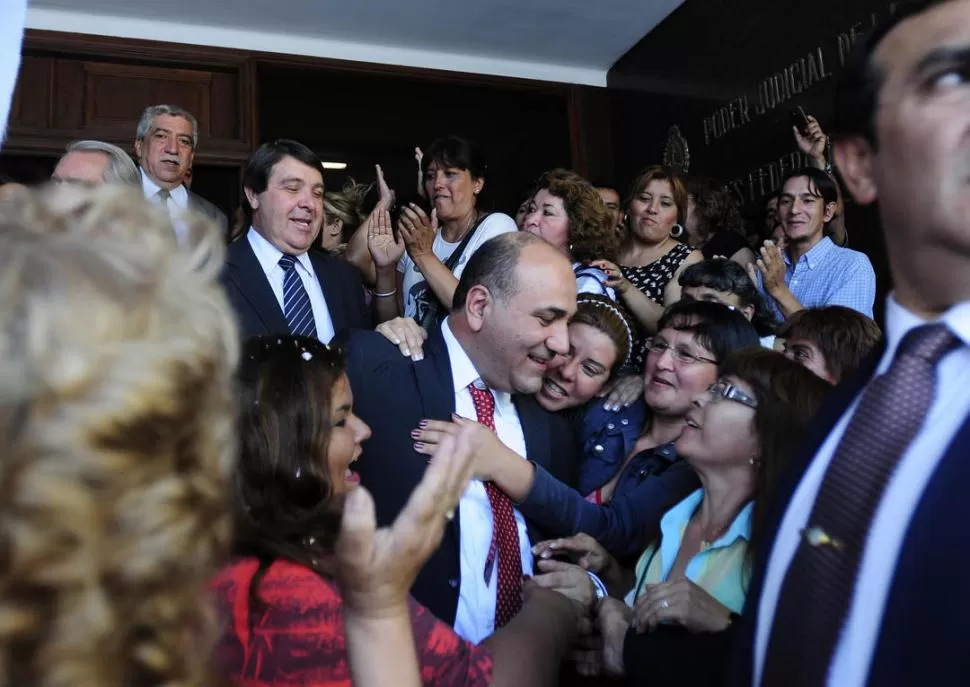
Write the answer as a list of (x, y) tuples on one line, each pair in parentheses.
[(611, 307)]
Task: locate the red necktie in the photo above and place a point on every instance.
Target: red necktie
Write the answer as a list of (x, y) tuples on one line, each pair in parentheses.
[(505, 534)]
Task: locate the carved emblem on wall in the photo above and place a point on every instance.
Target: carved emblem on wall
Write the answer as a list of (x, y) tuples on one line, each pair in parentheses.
[(676, 152)]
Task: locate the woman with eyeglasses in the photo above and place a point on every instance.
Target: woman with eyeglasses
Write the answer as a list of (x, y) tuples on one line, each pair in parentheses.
[(679, 603), (629, 456)]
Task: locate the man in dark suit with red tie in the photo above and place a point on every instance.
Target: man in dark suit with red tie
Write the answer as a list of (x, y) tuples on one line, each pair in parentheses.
[(507, 325), (865, 578)]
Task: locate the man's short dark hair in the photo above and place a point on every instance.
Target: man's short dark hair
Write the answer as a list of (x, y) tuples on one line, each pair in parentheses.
[(493, 266), (820, 184), (844, 336), (860, 82), (259, 166)]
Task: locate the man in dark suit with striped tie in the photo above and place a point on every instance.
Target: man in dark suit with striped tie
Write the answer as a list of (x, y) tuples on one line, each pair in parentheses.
[(863, 575), (275, 284)]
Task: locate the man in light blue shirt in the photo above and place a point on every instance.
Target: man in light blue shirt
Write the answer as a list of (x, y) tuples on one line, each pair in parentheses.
[(812, 271)]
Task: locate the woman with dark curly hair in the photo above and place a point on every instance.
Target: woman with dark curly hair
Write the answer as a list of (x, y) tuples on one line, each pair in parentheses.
[(568, 213), (713, 223)]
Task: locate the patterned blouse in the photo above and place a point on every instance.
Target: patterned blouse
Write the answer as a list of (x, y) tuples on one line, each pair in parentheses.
[(652, 279), (295, 636)]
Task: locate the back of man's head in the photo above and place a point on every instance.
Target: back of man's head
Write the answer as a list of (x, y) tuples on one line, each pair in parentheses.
[(843, 337), (112, 164)]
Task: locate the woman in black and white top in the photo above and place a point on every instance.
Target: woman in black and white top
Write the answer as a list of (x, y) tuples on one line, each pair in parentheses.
[(454, 176)]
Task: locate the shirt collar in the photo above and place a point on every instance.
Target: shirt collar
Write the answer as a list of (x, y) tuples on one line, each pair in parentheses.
[(179, 194), (814, 257), (899, 321), (269, 255), (674, 522), (463, 370)]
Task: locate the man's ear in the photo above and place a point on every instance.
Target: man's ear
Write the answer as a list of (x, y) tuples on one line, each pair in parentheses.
[(252, 197), (830, 210), (855, 160), (478, 302)]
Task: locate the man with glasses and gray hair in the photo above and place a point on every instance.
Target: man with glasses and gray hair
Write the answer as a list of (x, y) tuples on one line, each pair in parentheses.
[(95, 163), (165, 144)]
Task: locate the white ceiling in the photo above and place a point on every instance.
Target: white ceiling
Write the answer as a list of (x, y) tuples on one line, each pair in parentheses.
[(573, 41)]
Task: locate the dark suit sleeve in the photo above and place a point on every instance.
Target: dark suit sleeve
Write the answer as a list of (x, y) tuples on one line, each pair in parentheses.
[(619, 525)]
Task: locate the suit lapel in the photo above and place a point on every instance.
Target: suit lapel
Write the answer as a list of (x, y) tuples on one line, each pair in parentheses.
[(534, 427), (332, 290), (436, 386), (247, 275)]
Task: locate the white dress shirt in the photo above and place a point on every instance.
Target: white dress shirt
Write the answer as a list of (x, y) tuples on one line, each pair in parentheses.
[(269, 259), (948, 412), (178, 197), (475, 619), (177, 203)]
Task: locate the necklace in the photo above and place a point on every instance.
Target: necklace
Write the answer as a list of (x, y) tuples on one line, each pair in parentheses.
[(709, 536)]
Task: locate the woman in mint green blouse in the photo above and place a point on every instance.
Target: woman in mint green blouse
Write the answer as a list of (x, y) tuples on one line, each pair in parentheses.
[(694, 574)]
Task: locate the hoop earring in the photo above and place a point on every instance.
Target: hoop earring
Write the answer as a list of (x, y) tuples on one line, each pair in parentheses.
[(677, 231)]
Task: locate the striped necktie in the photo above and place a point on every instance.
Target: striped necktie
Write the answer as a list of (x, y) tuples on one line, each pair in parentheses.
[(296, 301), (819, 586)]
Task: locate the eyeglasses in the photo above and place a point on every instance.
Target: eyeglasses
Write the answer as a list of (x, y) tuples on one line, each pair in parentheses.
[(680, 354), (726, 390)]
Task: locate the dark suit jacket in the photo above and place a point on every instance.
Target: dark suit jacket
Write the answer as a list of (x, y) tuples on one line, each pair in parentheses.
[(200, 204), (392, 394), (923, 637), (257, 310)]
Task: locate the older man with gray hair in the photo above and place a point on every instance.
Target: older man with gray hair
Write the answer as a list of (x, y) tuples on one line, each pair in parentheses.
[(96, 162), (165, 144)]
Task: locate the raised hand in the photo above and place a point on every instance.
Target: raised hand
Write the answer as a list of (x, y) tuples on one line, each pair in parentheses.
[(771, 265), (813, 142), (384, 248), (385, 199), (419, 158)]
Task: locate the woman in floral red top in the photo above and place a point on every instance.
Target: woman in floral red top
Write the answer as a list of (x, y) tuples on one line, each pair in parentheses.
[(282, 611)]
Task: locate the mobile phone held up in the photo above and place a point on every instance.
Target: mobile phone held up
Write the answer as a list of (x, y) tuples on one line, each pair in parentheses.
[(800, 119)]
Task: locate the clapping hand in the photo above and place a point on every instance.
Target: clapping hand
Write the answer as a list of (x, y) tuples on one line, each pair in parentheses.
[(771, 266), (418, 230), (384, 248), (376, 567)]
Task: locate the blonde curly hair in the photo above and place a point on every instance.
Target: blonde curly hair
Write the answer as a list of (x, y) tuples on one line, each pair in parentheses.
[(116, 429)]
